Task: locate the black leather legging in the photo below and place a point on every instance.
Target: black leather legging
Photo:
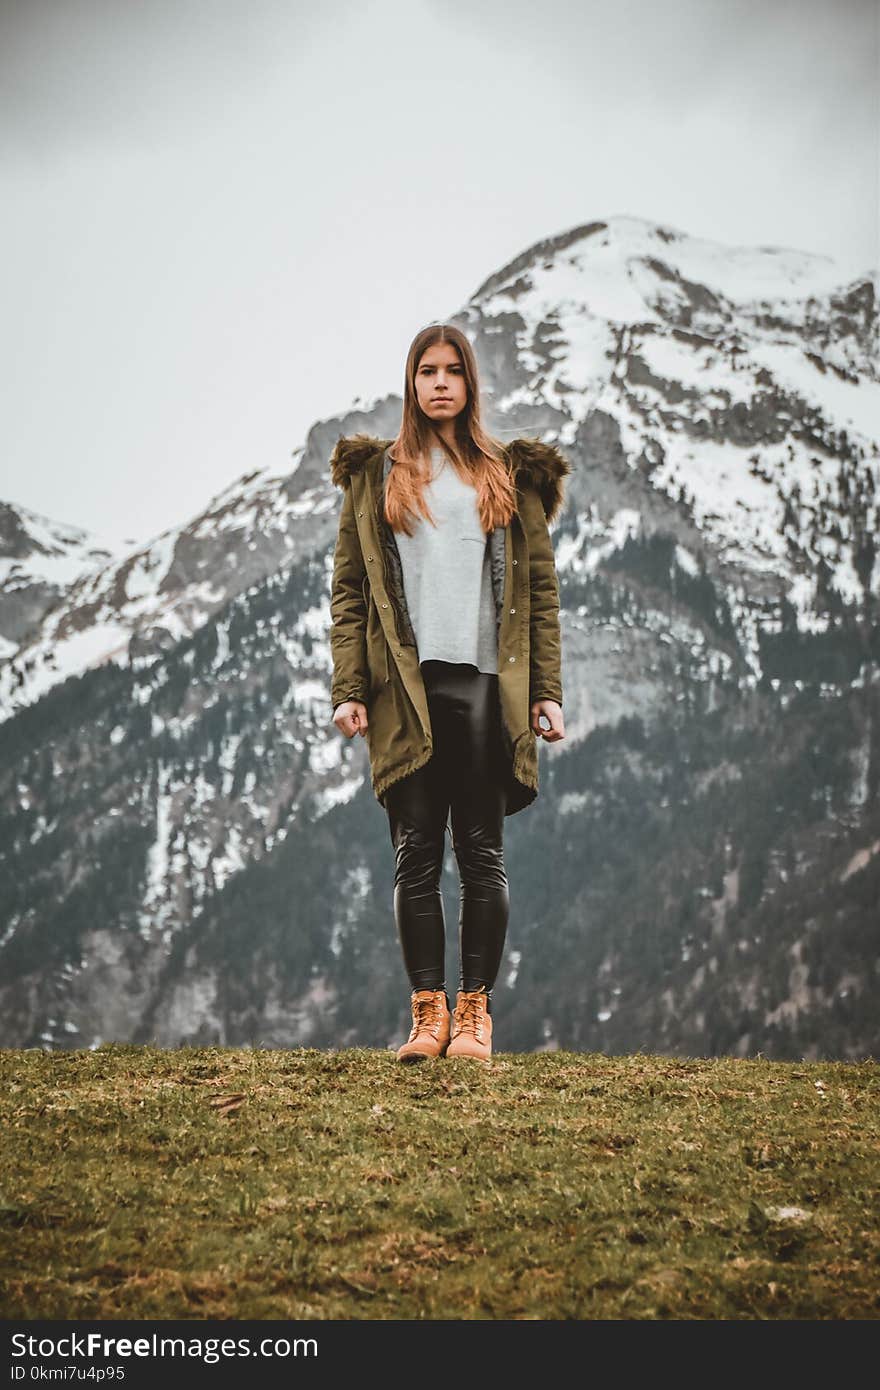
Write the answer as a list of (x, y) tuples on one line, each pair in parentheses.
[(465, 776)]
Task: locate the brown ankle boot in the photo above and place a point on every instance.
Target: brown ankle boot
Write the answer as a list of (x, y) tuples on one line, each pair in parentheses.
[(471, 1026), (429, 1035)]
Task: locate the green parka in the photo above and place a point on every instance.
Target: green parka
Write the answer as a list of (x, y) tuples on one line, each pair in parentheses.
[(373, 646)]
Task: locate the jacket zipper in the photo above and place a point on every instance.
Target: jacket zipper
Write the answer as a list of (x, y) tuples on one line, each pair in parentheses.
[(368, 599)]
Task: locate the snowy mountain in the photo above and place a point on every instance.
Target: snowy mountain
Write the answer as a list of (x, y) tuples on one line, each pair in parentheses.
[(744, 383), (129, 609), (711, 817), (39, 561)]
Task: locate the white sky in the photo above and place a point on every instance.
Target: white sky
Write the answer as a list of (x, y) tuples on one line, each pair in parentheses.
[(223, 221)]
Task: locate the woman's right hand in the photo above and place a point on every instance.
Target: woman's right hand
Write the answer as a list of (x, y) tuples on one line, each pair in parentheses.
[(350, 718)]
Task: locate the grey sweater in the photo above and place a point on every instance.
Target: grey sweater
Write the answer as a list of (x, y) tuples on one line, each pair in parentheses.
[(446, 575)]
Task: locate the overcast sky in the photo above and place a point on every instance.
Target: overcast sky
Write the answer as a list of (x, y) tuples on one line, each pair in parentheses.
[(225, 220)]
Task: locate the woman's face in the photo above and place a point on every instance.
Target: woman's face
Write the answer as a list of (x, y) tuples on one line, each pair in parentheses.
[(441, 389)]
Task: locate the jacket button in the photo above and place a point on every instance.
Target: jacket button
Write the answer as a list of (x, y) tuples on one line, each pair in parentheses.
[(360, 513), (384, 605), (369, 557), (511, 658), (516, 562), (513, 610)]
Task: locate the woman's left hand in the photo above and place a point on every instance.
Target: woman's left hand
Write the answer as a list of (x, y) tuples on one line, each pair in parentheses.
[(553, 729)]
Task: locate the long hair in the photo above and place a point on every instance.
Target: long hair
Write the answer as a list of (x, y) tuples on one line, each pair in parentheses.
[(477, 458)]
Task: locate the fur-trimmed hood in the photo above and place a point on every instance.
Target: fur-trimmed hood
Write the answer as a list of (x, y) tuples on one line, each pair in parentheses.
[(542, 464)]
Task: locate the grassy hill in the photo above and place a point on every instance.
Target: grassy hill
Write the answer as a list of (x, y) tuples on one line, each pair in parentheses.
[(242, 1183)]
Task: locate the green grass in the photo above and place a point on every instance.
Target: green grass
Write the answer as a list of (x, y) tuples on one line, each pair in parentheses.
[(241, 1183)]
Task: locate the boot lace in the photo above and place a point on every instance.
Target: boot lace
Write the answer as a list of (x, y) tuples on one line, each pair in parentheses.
[(427, 1014), (470, 1014)]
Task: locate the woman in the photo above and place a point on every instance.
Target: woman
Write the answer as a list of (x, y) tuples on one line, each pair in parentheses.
[(446, 658)]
